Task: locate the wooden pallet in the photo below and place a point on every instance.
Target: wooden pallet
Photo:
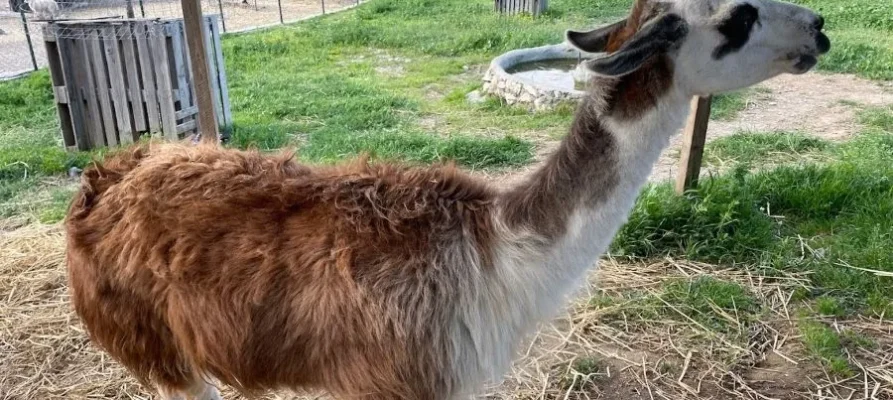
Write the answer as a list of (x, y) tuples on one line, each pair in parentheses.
[(532, 7), (116, 80)]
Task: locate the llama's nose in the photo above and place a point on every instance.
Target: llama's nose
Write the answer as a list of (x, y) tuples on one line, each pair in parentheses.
[(819, 23), (823, 44)]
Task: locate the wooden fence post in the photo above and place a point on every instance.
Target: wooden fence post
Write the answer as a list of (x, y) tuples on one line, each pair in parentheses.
[(195, 42), (693, 146)]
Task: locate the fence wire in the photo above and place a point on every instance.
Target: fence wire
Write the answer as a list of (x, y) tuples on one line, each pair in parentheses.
[(22, 23)]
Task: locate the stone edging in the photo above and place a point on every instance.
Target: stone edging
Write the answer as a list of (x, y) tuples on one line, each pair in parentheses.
[(517, 90)]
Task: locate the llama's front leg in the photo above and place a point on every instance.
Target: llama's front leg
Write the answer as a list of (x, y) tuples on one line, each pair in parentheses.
[(201, 390)]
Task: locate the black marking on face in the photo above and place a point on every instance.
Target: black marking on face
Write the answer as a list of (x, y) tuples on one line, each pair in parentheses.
[(736, 29)]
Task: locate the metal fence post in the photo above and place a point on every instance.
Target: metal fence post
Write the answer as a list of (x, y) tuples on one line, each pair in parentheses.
[(281, 20), (28, 37), (222, 18), (142, 9), (323, 2)]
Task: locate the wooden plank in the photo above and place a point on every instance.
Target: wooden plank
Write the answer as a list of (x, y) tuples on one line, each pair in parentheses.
[(189, 78), (148, 74), (693, 148), (186, 127), (174, 29), (119, 88), (60, 91), (196, 43), (100, 76), (212, 64), (131, 65), (158, 44), (75, 102), (87, 85), (221, 75), (187, 112)]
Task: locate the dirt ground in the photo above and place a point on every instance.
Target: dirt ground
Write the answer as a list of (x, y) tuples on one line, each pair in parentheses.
[(814, 104)]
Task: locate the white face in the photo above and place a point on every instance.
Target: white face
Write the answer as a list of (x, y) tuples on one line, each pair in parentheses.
[(732, 44)]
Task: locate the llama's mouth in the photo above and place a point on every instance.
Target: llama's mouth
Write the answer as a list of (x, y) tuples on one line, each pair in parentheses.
[(804, 63)]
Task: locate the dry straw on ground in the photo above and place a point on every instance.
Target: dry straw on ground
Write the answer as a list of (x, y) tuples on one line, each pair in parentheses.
[(44, 353)]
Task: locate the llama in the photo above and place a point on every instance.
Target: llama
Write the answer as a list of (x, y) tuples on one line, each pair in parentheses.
[(383, 281), (45, 9)]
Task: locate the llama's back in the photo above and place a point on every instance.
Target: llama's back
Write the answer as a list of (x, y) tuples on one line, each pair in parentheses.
[(264, 273)]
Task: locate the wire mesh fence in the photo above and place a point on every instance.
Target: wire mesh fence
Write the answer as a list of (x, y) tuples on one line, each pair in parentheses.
[(23, 22)]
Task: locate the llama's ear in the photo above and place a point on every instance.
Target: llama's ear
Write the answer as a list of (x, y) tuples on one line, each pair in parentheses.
[(656, 37), (593, 41)]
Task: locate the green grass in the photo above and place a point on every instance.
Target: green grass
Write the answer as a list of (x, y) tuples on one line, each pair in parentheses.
[(824, 343), (28, 142), (830, 306), (709, 301), (842, 207), (829, 346), (588, 367), (718, 222), (758, 147), (726, 106), (864, 52), (716, 305), (319, 85), (27, 114), (861, 33), (30, 149)]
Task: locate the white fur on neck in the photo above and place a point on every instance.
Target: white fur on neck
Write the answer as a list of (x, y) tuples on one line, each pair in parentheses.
[(529, 287)]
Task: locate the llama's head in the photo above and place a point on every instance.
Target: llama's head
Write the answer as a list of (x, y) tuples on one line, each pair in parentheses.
[(714, 45)]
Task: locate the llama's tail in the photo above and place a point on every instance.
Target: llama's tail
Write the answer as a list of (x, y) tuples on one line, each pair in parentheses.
[(101, 175)]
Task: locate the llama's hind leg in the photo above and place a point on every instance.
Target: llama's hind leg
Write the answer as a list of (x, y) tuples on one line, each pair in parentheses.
[(201, 390)]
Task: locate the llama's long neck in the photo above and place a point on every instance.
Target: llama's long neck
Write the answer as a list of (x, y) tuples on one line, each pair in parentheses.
[(578, 200), (556, 224)]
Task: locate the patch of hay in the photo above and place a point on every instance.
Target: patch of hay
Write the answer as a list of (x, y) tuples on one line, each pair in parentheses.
[(44, 353), (619, 351)]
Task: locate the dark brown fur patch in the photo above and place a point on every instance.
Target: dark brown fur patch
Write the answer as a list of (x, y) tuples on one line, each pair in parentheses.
[(582, 171), (266, 274), (630, 96), (642, 12)]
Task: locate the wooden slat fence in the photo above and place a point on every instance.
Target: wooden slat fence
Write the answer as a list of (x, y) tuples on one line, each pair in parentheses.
[(532, 7), (116, 80)]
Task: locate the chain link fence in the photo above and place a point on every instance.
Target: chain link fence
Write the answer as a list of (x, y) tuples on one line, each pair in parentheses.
[(22, 21)]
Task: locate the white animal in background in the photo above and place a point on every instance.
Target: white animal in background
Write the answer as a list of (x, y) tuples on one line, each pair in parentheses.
[(45, 9)]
